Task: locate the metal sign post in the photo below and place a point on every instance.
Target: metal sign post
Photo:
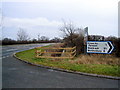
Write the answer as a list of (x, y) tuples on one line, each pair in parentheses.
[(101, 47), (85, 39)]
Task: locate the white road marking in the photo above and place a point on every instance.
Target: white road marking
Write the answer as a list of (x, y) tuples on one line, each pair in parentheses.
[(11, 50), (6, 54), (5, 57)]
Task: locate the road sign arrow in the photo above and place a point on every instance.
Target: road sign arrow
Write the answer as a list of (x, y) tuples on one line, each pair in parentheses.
[(111, 47), (104, 47)]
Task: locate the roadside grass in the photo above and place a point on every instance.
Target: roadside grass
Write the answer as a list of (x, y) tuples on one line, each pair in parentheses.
[(96, 59), (89, 64)]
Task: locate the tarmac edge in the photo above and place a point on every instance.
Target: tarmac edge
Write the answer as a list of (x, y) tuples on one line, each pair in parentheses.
[(68, 71)]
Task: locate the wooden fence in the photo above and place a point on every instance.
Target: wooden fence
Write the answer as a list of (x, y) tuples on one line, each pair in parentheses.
[(56, 53)]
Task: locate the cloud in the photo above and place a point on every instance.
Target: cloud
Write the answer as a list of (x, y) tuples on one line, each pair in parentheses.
[(29, 22), (33, 26), (58, 1)]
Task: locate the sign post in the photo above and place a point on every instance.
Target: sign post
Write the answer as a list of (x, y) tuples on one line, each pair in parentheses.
[(101, 47), (85, 39)]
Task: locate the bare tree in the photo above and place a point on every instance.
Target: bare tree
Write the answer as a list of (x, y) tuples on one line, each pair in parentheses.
[(69, 32), (68, 29), (73, 36), (56, 39), (44, 38), (38, 36), (22, 35)]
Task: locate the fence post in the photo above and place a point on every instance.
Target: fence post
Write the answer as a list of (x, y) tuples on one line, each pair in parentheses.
[(70, 52)]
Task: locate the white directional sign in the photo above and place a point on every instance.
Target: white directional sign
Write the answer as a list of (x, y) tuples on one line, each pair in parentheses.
[(105, 47)]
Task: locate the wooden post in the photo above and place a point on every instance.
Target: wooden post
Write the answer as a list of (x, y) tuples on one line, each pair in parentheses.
[(70, 52)]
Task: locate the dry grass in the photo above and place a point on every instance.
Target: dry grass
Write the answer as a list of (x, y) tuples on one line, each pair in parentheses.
[(96, 59), (106, 59), (98, 64)]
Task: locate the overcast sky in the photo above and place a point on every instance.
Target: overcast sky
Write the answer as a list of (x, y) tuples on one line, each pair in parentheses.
[(45, 16)]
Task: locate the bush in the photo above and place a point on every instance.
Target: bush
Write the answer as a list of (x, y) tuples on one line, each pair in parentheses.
[(116, 43), (77, 40)]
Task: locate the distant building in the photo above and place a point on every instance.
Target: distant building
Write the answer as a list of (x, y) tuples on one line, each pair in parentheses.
[(95, 38)]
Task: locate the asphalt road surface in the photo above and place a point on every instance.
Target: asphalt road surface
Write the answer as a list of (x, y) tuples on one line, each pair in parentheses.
[(17, 74)]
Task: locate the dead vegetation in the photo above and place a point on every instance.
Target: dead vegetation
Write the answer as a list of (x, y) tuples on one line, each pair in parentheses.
[(107, 59), (96, 59)]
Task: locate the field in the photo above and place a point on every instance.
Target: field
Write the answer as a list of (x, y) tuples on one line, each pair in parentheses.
[(96, 64)]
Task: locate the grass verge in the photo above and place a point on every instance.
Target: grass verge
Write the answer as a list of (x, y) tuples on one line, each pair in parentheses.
[(101, 69)]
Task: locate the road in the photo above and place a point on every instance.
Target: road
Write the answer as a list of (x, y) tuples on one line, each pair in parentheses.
[(17, 74)]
